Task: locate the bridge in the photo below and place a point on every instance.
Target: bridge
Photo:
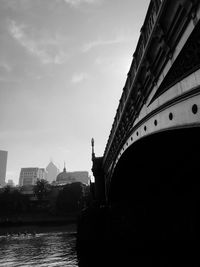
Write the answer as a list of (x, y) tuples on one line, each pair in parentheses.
[(147, 185), (152, 153)]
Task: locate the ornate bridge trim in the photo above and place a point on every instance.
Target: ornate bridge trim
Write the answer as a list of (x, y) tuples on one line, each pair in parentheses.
[(183, 111), (155, 64), (187, 62)]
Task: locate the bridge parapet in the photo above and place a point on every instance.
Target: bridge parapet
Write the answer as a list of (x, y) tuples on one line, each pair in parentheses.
[(146, 31), (163, 28)]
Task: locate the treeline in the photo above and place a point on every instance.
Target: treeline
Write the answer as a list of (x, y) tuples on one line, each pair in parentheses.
[(12, 201), (45, 198)]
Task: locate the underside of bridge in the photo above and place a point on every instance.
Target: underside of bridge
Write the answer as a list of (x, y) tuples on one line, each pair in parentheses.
[(155, 187)]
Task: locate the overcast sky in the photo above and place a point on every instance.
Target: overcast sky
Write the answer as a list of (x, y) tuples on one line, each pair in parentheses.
[(63, 65)]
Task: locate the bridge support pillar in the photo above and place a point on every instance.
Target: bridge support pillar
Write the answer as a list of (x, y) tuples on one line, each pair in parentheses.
[(99, 179)]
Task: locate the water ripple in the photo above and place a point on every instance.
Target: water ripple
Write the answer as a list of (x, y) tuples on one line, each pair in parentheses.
[(42, 250)]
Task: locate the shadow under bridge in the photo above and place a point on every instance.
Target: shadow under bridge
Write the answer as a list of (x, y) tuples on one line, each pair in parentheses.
[(155, 186)]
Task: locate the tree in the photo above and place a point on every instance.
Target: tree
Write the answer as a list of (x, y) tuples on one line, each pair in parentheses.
[(69, 198), (41, 189), (12, 201)]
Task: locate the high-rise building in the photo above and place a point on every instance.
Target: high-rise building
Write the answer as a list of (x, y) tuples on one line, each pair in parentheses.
[(29, 176), (51, 172), (3, 164)]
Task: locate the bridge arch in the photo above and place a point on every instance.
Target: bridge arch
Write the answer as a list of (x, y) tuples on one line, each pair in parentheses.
[(157, 183), (156, 159)]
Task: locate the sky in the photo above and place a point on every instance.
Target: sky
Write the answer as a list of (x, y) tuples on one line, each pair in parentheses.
[(63, 66)]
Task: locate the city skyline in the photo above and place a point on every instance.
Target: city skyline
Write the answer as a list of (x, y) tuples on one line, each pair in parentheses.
[(63, 66), (47, 173)]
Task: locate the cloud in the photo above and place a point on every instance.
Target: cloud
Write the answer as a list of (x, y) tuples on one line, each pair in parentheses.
[(5, 66), (76, 3), (116, 65), (20, 134), (9, 80), (17, 4), (101, 42), (47, 49), (6, 73), (79, 77)]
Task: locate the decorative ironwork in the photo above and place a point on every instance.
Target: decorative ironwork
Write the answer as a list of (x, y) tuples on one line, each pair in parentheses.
[(187, 62), (163, 27)]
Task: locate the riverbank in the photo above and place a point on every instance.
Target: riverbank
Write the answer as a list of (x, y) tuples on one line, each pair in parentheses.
[(40, 220), (38, 229)]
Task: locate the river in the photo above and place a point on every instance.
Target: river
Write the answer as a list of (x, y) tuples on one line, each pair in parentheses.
[(40, 247)]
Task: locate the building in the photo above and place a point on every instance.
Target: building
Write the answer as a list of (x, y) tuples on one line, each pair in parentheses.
[(70, 177), (64, 178), (10, 182), (80, 176), (51, 172), (3, 165), (29, 176), (42, 173)]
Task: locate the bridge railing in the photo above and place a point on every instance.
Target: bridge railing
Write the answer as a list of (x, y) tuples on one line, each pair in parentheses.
[(138, 55)]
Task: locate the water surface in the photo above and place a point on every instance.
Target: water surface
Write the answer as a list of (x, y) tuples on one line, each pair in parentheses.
[(41, 248)]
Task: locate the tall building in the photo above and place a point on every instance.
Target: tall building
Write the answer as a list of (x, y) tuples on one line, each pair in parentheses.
[(29, 176), (3, 164), (51, 172)]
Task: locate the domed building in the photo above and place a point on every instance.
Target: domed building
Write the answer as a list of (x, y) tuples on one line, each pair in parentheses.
[(70, 177), (64, 177)]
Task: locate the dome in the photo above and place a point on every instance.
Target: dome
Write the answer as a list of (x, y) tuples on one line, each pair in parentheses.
[(64, 177)]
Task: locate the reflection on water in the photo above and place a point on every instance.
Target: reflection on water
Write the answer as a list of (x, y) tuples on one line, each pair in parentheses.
[(47, 249)]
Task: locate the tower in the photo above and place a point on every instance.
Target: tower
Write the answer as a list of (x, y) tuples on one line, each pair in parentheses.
[(3, 165), (51, 172)]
